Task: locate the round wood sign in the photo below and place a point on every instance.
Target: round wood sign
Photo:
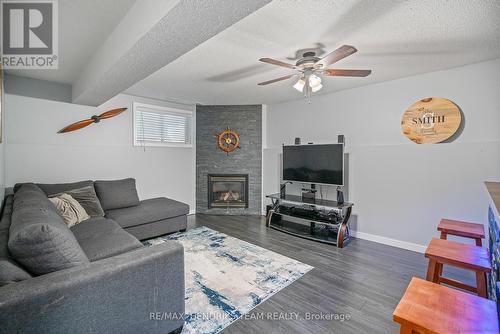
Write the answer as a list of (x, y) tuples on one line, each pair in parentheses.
[(431, 120)]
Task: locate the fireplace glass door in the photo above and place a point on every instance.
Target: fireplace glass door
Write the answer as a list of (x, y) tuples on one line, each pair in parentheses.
[(227, 191)]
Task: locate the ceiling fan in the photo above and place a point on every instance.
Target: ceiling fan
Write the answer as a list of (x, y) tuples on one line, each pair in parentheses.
[(310, 69)]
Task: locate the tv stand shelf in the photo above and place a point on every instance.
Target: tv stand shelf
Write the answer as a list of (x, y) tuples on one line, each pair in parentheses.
[(315, 219)]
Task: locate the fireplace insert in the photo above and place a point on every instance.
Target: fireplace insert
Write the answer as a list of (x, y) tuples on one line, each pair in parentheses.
[(227, 191)]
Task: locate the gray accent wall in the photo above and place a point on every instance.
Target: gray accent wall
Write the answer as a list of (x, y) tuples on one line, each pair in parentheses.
[(246, 120)]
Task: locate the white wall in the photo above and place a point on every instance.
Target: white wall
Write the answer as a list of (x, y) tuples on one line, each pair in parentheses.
[(35, 152), (400, 190)]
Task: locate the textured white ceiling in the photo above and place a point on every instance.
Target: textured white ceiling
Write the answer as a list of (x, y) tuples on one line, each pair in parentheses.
[(394, 38), (185, 25), (84, 25)]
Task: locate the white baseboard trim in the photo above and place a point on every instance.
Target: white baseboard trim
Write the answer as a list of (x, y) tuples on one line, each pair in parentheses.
[(381, 240), (389, 241)]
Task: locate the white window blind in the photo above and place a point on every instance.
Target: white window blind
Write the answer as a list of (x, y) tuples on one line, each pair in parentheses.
[(159, 126)]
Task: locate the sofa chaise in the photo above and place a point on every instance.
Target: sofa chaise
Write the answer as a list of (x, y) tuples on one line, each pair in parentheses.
[(93, 277)]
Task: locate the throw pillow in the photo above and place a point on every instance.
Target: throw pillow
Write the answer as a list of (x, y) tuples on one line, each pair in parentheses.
[(87, 198), (117, 194), (71, 211)]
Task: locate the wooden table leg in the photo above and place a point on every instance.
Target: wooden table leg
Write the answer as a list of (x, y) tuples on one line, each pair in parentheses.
[(438, 273), (431, 270), (481, 284), (479, 242), (406, 330), (444, 236)]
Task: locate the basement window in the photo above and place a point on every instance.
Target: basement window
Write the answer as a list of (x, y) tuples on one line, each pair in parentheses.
[(160, 126)]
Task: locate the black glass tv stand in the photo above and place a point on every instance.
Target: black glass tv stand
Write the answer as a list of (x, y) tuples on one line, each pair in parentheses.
[(315, 219)]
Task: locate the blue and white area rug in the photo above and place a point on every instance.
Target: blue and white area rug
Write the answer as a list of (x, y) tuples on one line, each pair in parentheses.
[(227, 277)]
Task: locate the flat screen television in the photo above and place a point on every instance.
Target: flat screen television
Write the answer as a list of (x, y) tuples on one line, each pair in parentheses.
[(314, 163)]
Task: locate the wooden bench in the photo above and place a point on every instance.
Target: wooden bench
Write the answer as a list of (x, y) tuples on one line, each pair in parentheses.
[(430, 308), (470, 257), (462, 229)]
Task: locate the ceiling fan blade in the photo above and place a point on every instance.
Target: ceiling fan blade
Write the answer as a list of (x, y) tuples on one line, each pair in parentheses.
[(112, 113), (276, 80), (335, 56), (76, 126), (346, 73), (277, 63)]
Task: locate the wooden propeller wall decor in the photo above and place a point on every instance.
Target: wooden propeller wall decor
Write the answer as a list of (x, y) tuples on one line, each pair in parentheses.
[(228, 140), (93, 119)]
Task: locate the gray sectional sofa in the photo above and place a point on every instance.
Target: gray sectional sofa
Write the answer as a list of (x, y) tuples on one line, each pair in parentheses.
[(119, 200), (95, 277)]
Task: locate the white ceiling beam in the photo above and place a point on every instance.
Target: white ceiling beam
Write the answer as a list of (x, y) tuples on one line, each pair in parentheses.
[(151, 35)]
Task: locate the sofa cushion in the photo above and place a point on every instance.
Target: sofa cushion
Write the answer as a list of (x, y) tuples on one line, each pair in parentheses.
[(148, 211), (6, 213), (160, 227), (10, 272), (101, 238), (38, 237), (56, 188), (117, 194), (4, 242), (69, 208), (87, 198)]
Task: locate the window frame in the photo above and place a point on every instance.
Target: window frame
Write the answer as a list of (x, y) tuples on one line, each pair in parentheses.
[(167, 110)]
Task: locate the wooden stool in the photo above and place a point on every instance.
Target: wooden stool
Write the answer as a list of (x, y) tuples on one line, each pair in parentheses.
[(430, 308), (475, 258), (462, 229)]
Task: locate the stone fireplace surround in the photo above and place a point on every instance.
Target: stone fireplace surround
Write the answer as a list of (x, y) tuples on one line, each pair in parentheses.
[(245, 120)]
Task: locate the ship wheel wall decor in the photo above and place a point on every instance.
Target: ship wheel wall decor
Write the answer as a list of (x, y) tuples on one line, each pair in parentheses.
[(228, 140)]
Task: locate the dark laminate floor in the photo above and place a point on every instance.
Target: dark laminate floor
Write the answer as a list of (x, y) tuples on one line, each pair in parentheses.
[(364, 280)]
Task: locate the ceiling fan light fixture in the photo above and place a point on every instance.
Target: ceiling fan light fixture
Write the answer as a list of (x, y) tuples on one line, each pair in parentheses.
[(314, 81), (311, 69), (299, 85), (316, 88)]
